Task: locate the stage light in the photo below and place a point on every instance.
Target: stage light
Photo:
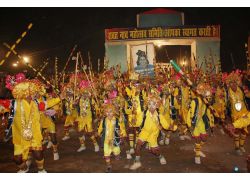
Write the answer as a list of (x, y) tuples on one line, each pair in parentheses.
[(26, 59), (14, 64)]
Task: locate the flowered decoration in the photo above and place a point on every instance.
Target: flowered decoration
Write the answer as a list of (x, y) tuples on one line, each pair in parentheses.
[(84, 86), (11, 81), (234, 76), (204, 89)]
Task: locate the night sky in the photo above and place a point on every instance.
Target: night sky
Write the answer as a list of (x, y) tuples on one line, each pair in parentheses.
[(57, 30)]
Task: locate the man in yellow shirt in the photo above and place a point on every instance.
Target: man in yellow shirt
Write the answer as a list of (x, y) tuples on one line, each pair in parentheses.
[(150, 129), (26, 128), (185, 103), (85, 119), (165, 111), (70, 112), (134, 110), (220, 105), (48, 124), (111, 129), (200, 119), (239, 113)]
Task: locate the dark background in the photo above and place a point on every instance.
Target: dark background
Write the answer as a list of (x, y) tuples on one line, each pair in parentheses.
[(57, 30), (165, 53)]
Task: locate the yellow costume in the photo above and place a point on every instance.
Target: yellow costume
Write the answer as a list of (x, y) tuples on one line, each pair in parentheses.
[(135, 116), (28, 113), (200, 119), (240, 118), (164, 111), (168, 112), (196, 118), (177, 96), (85, 122), (48, 124), (238, 106), (220, 103), (71, 113), (183, 111), (152, 125), (150, 128), (84, 118), (185, 102), (26, 129), (112, 130), (46, 121)]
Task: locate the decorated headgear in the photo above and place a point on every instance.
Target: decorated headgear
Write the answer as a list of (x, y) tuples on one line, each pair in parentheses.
[(112, 94), (109, 84), (107, 105), (26, 89), (40, 87), (234, 76), (220, 92), (165, 88), (196, 76), (67, 89), (11, 81), (155, 91), (204, 89), (153, 97), (84, 86), (77, 76), (176, 77)]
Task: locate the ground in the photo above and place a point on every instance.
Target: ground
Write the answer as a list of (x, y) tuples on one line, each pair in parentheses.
[(179, 154)]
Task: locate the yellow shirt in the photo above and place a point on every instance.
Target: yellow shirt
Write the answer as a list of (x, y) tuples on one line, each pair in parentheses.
[(85, 108), (153, 123), (110, 129), (200, 112), (31, 113), (220, 103), (237, 97), (176, 96), (135, 114), (185, 99)]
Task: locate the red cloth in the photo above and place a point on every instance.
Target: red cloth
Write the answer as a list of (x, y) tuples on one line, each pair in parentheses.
[(41, 106), (5, 103)]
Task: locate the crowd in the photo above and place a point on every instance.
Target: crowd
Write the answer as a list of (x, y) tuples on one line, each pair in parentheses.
[(114, 110)]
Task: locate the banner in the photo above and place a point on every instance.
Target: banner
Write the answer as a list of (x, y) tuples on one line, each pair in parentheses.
[(143, 59), (211, 31)]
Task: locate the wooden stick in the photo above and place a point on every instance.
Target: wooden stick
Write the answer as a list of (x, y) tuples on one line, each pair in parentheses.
[(98, 70), (67, 62), (90, 64), (90, 82), (16, 43), (77, 56), (56, 73), (42, 68), (38, 73)]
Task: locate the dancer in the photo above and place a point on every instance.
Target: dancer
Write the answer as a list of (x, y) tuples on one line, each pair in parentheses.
[(111, 130), (85, 116), (200, 119), (150, 128)]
